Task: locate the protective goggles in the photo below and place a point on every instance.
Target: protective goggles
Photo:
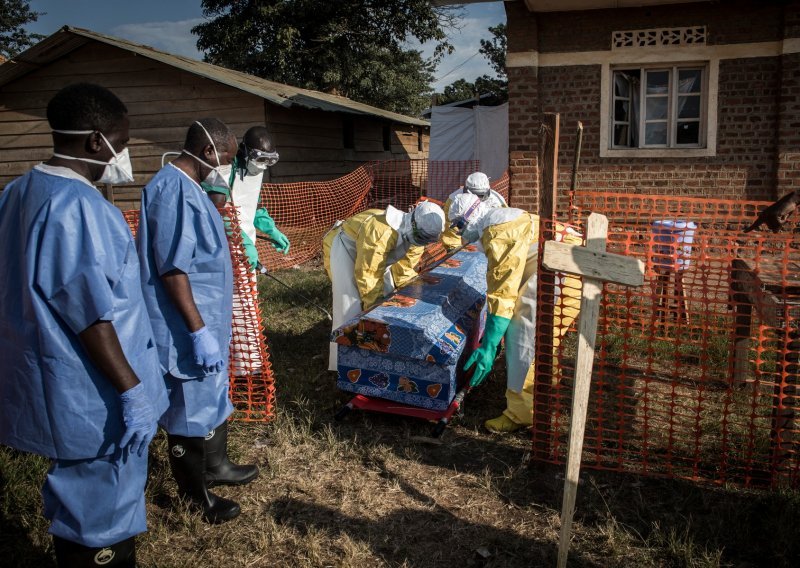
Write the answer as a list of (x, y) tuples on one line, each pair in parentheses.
[(481, 193), (419, 237), (260, 156), (461, 223)]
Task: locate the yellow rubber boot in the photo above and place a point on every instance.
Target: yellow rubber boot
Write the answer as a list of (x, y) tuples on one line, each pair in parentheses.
[(502, 425)]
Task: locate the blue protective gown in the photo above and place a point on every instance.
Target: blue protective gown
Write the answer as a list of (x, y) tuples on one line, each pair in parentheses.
[(181, 229), (68, 261)]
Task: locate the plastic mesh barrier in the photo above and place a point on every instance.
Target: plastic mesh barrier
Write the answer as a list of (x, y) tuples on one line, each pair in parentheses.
[(252, 387), (304, 211), (695, 372)]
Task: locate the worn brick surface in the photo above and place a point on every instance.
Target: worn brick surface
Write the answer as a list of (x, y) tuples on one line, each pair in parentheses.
[(758, 131)]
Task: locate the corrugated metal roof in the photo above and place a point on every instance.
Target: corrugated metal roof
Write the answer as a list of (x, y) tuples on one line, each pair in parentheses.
[(70, 38)]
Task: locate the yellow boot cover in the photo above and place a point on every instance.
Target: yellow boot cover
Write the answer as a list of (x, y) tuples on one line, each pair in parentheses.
[(502, 425)]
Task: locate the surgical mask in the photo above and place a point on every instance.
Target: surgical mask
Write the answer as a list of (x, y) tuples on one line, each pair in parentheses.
[(255, 168), (219, 174), (117, 171), (165, 154)]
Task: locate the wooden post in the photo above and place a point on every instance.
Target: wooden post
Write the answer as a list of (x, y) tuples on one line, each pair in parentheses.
[(548, 199), (575, 163), (595, 266)]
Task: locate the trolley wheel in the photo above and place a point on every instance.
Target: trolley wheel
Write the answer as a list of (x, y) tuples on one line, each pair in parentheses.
[(439, 429), (343, 412)]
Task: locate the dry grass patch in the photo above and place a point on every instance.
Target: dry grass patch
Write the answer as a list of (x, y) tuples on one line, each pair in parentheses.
[(370, 492)]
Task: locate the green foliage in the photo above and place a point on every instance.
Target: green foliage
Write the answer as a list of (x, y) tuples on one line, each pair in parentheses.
[(13, 38), (494, 50), (352, 48)]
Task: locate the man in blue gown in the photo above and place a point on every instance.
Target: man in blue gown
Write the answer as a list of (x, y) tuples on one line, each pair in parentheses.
[(81, 383), (187, 282)]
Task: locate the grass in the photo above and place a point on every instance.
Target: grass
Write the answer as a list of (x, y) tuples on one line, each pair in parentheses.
[(370, 491)]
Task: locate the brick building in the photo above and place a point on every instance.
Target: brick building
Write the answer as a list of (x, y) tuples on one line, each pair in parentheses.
[(676, 97)]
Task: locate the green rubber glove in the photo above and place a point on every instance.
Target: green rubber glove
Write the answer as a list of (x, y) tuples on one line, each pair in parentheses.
[(264, 223), (483, 357), (250, 250)]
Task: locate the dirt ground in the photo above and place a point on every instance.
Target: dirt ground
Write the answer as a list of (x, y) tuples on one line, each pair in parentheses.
[(372, 490)]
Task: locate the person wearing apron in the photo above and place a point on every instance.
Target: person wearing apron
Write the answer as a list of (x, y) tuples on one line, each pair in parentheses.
[(509, 238), (372, 253)]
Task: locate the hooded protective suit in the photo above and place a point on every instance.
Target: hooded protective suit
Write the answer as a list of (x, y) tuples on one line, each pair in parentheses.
[(68, 262), (509, 238), (478, 184), (372, 253)]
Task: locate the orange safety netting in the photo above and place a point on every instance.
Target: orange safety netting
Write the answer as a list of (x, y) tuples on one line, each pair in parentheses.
[(304, 211), (252, 386), (696, 372)]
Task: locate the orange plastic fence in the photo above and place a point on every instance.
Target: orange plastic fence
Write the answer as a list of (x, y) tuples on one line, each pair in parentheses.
[(304, 211), (696, 372), (252, 386)]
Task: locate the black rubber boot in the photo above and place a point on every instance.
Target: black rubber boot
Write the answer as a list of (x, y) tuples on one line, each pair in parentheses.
[(220, 470), (73, 555), (187, 460)]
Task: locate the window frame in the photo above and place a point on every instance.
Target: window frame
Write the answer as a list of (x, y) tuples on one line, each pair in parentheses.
[(673, 96), (655, 58)]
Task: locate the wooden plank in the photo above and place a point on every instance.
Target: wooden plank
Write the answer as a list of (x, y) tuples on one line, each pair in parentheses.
[(183, 120), (72, 65), (608, 267), (542, 413), (16, 155), (591, 295), (151, 77), (206, 89), (196, 105), (7, 115), (24, 127)]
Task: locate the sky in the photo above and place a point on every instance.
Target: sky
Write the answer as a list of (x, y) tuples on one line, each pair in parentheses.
[(165, 25)]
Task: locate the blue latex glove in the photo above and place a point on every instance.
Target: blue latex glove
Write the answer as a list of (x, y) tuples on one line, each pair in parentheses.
[(266, 224), (139, 419), (206, 350), (483, 357)]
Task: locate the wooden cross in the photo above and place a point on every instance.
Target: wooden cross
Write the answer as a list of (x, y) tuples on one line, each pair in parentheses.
[(595, 266)]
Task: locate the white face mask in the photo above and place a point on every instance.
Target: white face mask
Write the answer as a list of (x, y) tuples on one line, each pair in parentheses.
[(254, 168), (165, 154), (117, 171), (219, 174)]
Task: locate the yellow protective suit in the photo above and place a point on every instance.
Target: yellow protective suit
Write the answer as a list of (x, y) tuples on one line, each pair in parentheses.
[(519, 405), (375, 240), (450, 238), (365, 259)]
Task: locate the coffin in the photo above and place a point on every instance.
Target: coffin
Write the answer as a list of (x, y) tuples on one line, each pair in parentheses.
[(408, 348)]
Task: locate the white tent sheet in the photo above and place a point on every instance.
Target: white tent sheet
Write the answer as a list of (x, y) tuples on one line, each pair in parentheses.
[(479, 133)]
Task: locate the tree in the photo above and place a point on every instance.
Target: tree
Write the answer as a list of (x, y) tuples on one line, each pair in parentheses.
[(353, 48), (13, 38), (494, 50)]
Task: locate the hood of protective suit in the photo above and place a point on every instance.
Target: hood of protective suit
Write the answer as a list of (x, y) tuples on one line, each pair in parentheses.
[(478, 183), (423, 224), (469, 209)]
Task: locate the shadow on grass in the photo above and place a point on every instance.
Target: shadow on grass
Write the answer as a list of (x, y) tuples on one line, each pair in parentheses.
[(665, 522)]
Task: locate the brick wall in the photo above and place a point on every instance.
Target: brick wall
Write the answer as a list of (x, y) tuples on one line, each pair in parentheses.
[(758, 132), (741, 21)]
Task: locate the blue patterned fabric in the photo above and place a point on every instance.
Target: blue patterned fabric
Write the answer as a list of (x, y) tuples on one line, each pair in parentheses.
[(407, 348)]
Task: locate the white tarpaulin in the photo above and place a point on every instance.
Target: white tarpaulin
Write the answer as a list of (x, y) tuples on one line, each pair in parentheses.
[(479, 133)]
